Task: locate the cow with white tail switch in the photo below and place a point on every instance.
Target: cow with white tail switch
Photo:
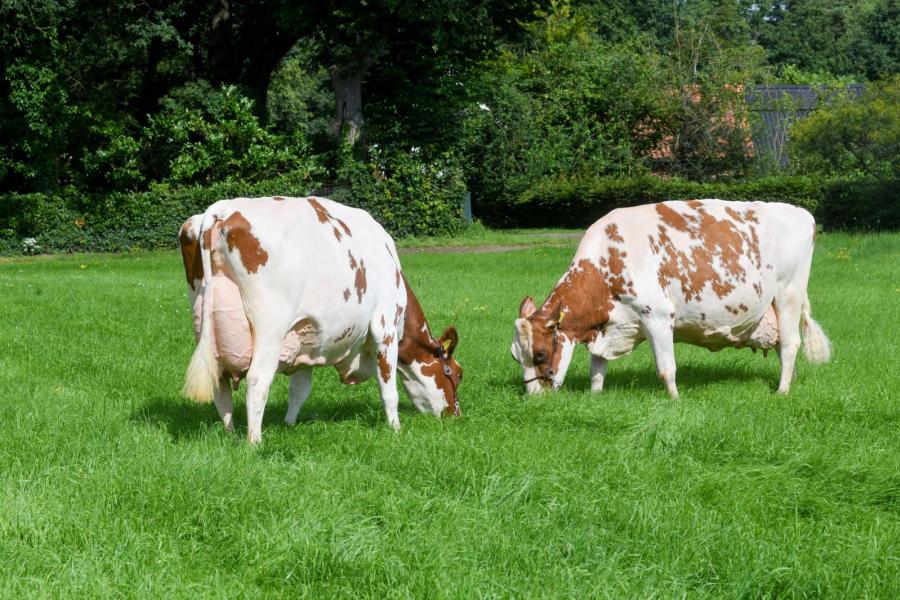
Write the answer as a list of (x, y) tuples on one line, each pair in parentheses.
[(711, 273), (287, 284)]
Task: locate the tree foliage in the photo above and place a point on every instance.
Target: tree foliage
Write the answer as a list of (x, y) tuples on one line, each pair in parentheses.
[(853, 136), (104, 96)]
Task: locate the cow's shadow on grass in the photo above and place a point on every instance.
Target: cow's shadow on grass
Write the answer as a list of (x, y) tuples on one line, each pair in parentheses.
[(182, 419), (641, 378)]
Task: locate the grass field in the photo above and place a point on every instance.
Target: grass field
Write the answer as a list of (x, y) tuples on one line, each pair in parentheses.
[(111, 484)]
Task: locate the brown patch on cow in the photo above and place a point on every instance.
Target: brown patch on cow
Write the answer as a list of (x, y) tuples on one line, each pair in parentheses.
[(190, 254), (352, 260), (238, 235), (676, 220), (346, 294), (695, 203), (757, 287), (750, 215), (384, 366), (743, 307), (278, 198), (615, 267), (344, 334), (397, 314), (382, 321), (734, 214), (720, 240), (702, 316), (397, 276), (207, 237), (388, 340), (360, 281), (585, 295), (730, 309), (616, 264), (321, 212), (612, 232), (326, 218)]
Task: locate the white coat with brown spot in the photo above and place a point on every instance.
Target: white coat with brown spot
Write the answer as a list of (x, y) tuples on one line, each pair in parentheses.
[(707, 272), (288, 284)]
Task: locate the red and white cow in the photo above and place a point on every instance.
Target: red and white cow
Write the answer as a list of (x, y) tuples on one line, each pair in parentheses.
[(288, 284), (707, 272)]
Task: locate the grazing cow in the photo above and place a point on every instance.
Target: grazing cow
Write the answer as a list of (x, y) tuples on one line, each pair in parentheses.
[(288, 284), (706, 272)]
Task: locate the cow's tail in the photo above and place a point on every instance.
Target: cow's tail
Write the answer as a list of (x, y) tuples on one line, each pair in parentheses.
[(202, 379), (816, 346)]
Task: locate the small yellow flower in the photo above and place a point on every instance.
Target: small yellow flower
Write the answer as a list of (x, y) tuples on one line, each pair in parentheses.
[(84, 266)]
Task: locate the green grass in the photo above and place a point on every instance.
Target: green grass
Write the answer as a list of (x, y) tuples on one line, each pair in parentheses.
[(479, 235), (111, 484)]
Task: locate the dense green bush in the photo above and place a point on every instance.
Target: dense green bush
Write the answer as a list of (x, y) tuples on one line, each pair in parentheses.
[(861, 204), (578, 203), (836, 203), (852, 135), (413, 198), (406, 194)]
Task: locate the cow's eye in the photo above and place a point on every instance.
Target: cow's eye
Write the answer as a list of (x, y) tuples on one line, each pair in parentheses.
[(540, 356)]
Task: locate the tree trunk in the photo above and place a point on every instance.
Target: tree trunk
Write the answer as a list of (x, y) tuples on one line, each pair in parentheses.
[(347, 88)]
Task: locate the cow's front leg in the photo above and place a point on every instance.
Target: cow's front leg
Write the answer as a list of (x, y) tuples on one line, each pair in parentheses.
[(387, 382), (224, 405), (301, 385), (598, 372), (659, 333)]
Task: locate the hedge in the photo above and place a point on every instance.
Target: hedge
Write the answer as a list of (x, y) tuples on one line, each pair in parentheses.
[(836, 203), (75, 222), (866, 205)]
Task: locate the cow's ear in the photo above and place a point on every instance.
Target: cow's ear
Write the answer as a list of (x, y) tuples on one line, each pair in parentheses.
[(527, 307), (448, 341)]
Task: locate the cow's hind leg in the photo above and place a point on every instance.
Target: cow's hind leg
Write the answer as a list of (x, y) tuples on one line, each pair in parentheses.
[(598, 372), (658, 332), (224, 405), (789, 308), (301, 385), (264, 365), (387, 382)]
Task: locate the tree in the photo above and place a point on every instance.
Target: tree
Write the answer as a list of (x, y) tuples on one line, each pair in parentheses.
[(562, 103), (853, 136), (704, 120)]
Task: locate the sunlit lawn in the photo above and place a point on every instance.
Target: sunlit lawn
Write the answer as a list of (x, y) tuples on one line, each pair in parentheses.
[(111, 484)]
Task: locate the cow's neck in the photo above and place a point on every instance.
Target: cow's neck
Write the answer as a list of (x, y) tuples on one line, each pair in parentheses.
[(583, 298), (417, 340)]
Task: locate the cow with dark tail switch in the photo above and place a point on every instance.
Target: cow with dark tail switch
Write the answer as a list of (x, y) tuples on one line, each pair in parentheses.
[(711, 273), (288, 284)]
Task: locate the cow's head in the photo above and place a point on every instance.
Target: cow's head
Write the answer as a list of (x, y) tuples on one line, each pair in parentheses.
[(432, 377), (541, 347)]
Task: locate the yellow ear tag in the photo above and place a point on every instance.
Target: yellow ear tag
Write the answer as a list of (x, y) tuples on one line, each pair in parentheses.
[(562, 315), (446, 344)]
